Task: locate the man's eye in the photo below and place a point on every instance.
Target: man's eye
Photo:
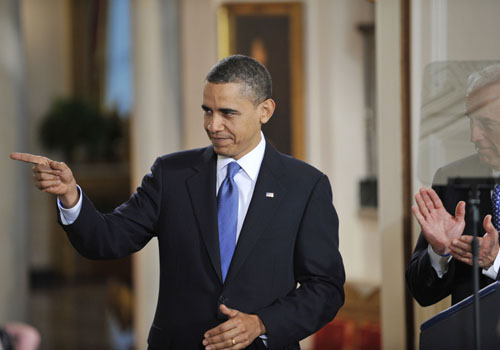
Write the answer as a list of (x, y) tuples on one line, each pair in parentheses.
[(485, 122)]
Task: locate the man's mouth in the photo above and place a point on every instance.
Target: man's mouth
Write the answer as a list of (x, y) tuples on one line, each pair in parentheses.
[(219, 139), (482, 146), (482, 149)]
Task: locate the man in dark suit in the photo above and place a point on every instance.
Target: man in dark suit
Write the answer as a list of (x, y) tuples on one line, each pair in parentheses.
[(248, 237), (442, 260)]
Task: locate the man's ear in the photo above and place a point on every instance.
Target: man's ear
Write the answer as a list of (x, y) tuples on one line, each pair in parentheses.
[(267, 109)]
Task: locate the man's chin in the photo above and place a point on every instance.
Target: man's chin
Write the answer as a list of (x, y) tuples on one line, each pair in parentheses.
[(490, 161), (222, 151)]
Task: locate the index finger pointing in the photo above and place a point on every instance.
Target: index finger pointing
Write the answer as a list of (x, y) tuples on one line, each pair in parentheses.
[(30, 158)]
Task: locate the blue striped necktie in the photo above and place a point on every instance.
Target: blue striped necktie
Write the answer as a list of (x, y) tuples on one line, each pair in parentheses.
[(495, 199), (227, 204)]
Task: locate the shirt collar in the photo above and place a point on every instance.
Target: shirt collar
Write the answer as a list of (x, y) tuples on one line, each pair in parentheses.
[(250, 162)]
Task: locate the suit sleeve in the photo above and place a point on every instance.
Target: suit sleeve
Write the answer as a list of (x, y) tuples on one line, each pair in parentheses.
[(318, 269), (124, 231), (422, 280)]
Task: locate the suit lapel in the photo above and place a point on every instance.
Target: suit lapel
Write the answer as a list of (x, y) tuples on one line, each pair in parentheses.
[(261, 210), (201, 187)]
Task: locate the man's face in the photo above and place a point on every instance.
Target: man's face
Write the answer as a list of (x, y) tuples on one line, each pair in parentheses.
[(483, 109), (232, 121)]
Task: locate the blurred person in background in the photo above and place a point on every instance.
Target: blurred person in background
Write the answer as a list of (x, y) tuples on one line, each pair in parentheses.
[(441, 264), (19, 336)]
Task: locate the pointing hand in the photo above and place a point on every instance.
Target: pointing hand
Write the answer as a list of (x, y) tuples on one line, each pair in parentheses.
[(52, 177)]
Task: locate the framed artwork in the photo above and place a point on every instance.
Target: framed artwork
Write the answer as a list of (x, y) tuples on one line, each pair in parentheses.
[(272, 34)]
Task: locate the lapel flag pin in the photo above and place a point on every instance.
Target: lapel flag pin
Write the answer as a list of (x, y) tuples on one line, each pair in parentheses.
[(270, 194)]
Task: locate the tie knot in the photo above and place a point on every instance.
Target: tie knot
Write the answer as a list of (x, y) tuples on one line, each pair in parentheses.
[(232, 169)]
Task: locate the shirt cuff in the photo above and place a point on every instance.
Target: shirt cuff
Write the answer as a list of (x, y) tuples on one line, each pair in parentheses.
[(438, 262), (492, 272), (69, 215), (263, 337)]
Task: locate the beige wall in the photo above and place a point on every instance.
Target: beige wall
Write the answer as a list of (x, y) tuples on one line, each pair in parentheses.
[(388, 29), (46, 33), (34, 68), (335, 138), (472, 30), (199, 54), (156, 130), (13, 234)]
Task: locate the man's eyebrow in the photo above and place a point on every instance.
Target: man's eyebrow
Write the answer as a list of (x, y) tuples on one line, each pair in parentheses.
[(228, 111), (473, 108), (222, 110)]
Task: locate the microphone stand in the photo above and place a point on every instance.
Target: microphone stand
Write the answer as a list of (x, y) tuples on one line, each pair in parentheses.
[(474, 187), (474, 205)]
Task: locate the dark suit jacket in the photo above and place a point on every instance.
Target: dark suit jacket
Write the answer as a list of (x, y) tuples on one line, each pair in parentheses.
[(286, 239), (421, 277)]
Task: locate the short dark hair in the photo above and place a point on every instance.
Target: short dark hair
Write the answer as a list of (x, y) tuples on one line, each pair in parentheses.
[(245, 70)]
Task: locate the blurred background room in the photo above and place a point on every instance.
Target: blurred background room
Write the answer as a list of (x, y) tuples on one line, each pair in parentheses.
[(109, 85)]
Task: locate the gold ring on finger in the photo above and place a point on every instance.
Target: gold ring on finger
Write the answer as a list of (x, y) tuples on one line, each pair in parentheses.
[(233, 341)]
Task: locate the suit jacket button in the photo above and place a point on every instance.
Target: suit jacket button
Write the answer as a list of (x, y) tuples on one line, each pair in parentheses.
[(220, 315), (222, 299)]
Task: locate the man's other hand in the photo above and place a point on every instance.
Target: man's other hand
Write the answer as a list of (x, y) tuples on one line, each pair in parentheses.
[(236, 333), (52, 177), (461, 248), (438, 226)]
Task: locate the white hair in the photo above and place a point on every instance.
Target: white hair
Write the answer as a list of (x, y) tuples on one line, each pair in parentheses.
[(487, 76)]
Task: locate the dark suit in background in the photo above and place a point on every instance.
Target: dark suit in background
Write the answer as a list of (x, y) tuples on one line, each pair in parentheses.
[(421, 278), (289, 236)]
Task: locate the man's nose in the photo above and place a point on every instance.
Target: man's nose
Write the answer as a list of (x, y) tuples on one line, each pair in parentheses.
[(476, 132), (215, 123)]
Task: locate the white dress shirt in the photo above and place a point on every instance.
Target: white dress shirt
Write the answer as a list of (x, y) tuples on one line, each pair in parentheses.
[(69, 215)]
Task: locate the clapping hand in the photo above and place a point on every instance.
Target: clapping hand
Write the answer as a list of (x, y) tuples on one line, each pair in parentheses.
[(488, 246), (438, 226)]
